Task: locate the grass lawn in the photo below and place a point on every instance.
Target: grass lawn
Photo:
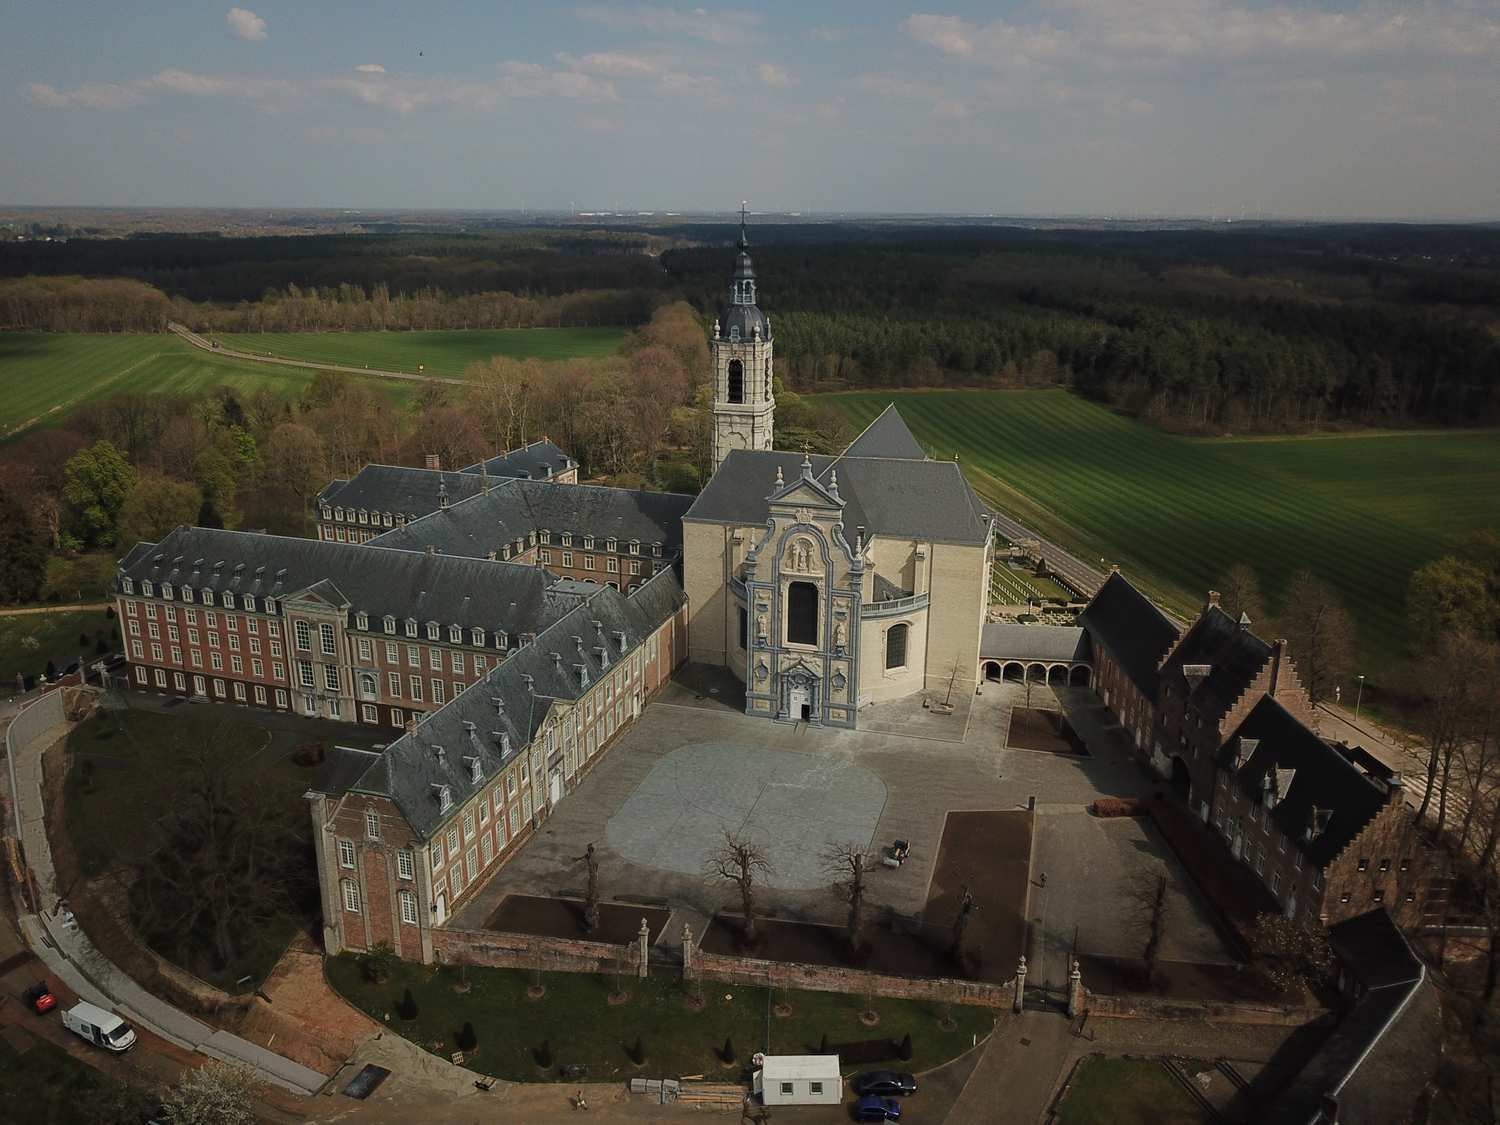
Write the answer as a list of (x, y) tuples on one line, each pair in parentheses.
[(576, 1021), (441, 353), (1108, 1091), (1360, 512), (28, 641), (46, 375), (115, 780)]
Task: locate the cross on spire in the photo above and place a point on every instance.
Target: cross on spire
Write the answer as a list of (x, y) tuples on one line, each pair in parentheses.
[(744, 240)]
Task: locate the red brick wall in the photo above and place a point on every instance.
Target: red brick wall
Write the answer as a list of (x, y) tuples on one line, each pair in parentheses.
[(824, 978), (525, 951), (376, 871)]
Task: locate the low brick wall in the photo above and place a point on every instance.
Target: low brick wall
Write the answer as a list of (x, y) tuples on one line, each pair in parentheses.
[(1216, 1011), (526, 951), (824, 978)]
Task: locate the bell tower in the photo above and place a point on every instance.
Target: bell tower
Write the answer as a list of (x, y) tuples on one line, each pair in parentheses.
[(743, 407)]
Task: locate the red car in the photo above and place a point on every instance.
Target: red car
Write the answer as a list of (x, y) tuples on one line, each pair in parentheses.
[(39, 998)]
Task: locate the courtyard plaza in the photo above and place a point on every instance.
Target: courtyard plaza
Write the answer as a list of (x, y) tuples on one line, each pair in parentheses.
[(694, 766)]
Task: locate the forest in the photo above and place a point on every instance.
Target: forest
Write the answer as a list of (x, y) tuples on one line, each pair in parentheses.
[(1208, 330)]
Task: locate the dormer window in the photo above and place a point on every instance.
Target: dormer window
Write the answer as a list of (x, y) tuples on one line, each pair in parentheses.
[(567, 539), (444, 797), (610, 544), (249, 601), (361, 620), (476, 773), (501, 641), (187, 593), (588, 542), (545, 537), (390, 624), (166, 590), (656, 550), (432, 631), (146, 587), (228, 599), (411, 627), (455, 635), (338, 514), (635, 548), (386, 519), (734, 333), (208, 597), (270, 605), (476, 637), (327, 512)]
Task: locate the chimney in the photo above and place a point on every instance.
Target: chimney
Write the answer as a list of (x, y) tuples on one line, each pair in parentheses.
[(433, 461), (1395, 788), (1213, 599), (1114, 568)]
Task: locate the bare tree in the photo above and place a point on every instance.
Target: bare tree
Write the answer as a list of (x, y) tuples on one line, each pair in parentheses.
[(743, 863), (1458, 677), (591, 891), (1320, 632), (846, 863), (1240, 587), (1150, 895), (966, 908)]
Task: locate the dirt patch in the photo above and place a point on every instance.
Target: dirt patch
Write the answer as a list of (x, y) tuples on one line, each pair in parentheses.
[(306, 1020), (1047, 732), (988, 853), (619, 923), (1184, 980)]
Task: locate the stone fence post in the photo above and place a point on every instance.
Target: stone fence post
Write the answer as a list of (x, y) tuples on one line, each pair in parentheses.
[(1020, 985), (1075, 990), (687, 951), (644, 938)]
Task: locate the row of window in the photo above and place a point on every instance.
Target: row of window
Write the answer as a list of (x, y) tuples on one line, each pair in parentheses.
[(406, 901), (227, 598), (231, 621), (589, 542), (179, 680), (611, 564)]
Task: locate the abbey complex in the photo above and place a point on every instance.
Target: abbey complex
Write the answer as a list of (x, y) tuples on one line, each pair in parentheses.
[(504, 622)]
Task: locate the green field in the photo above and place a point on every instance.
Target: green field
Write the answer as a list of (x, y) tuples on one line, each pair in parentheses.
[(44, 376), (1129, 1091), (1360, 512), (440, 353)]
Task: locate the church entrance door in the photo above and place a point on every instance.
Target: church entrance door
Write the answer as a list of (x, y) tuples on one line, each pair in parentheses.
[(797, 704)]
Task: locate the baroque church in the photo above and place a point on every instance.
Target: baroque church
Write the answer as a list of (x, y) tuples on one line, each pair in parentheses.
[(827, 584)]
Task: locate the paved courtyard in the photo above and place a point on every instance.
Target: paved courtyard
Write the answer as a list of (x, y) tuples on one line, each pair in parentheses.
[(795, 804), (657, 802)]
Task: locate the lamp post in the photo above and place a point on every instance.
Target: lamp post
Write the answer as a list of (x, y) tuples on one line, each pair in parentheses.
[(1359, 697)]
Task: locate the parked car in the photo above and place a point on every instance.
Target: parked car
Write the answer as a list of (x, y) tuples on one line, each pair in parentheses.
[(872, 1107), (101, 1028), (884, 1083), (39, 998)]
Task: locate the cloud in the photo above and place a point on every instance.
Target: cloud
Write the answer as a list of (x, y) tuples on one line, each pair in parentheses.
[(196, 85), (723, 27), (370, 68), (611, 64), (950, 109), (773, 75), (531, 80), (948, 34), (828, 34), (92, 95), (245, 24)]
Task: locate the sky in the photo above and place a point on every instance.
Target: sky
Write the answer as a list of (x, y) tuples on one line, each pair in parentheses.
[(1347, 108)]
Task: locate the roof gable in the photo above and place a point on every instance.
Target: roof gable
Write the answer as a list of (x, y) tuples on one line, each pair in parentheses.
[(1215, 662), (887, 436), (1125, 623)]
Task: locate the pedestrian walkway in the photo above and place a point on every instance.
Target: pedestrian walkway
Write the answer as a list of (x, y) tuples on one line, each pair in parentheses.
[(1017, 1073), (67, 951)]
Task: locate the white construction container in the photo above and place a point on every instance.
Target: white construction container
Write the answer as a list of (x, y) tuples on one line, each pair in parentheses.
[(798, 1080)]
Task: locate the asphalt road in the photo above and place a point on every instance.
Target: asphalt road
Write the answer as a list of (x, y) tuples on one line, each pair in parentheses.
[(1085, 579)]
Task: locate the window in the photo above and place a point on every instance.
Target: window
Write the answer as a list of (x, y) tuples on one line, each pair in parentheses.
[(372, 824), (366, 650), (736, 395), (413, 656), (390, 624), (486, 849), (1364, 863), (469, 825), (438, 695), (408, 903), (815, 1087), (397, 719), (260, 695), (802, 614), (744, 629), (280, 696), (411, 627), (368, 684), (326, 635), (405, 864), (635, 566), (415, 683), (305, 674), (786, 1087), (544, 556), (612, 565), (393, 683), (346, 853), (453, 842), (567, 558), (588, 562), (895, 646), (369, 714), (471, 859), (331, 677), (351, 896), (432, 630), (455, 635)]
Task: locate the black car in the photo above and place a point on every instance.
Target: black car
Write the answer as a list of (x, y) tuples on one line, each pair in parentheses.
[(884, 1083)]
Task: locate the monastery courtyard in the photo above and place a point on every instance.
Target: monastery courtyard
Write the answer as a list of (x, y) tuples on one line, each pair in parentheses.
[(655, 806)]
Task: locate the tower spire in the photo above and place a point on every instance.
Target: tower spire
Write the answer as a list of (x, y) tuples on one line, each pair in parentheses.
[(744, 242)]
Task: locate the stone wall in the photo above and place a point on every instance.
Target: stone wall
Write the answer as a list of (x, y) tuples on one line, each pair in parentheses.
[(1232, 1012), (526, 951), (825, 978)]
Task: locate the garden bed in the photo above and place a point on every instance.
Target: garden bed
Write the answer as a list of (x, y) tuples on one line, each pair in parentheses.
[(1047, 732), (577, 1021)]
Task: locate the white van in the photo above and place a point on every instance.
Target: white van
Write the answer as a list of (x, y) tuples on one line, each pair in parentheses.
[(101, 1028)]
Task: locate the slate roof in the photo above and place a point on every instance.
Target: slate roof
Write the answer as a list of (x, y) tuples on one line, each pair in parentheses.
[(887, 436), (495, 718), (1232, 653), (538, 460), (515, 508), (398, 488), (427, 587), (1345, 782), (1124, 622), (901, 498), (1373, 949), (1001, 640)]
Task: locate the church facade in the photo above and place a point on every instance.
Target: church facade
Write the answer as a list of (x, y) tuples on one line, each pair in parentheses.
[(827, 583)]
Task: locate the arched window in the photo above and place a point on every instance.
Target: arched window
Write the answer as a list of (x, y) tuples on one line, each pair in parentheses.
[(895, 646), (736, 381), (802, 614)]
